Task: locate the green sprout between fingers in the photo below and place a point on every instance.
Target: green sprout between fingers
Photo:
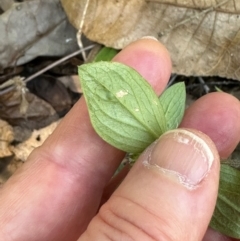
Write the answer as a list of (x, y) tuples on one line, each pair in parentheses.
[(125, 112)]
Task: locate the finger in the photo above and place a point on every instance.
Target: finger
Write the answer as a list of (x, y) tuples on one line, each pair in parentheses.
[(217, 115), (58, 190), (114, 183), (212, 235), (146, 58), (169, 194)]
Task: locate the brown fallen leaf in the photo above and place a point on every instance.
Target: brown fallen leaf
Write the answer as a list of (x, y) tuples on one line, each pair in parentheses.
[(53, 92), (8, 166), (203, 36), (6, 137), (22, 108), (12, 155), (23, 150)]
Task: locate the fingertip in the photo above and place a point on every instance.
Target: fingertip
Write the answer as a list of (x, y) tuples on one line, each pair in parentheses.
[(222, 124), (216, 236), (157, 195), (151, 59)]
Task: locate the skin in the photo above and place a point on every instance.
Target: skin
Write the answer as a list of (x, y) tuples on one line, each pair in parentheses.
[(59, 190)]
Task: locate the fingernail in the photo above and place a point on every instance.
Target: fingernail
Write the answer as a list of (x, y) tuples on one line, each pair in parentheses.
[(182, 155), (150, 37)]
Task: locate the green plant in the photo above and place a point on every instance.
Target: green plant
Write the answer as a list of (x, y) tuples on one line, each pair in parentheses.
[(105, 54), (126, 113)]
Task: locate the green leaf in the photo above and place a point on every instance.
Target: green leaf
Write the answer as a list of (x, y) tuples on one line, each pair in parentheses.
[(218, 89), (233, 162), (105, 54), (123, 108), (226, 217), (173, 101)]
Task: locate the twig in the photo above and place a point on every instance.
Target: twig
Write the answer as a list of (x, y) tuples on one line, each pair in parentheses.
[(47, 68), (201, 80), (79, 33), (172, 79)]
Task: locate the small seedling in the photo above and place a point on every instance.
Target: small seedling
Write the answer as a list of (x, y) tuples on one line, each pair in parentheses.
[(125, 112), (105, 54)]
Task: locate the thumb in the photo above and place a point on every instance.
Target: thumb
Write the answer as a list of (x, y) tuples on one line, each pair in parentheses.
[(169, 194)]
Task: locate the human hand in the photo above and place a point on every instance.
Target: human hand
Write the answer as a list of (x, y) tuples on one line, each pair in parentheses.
[(57, 192)]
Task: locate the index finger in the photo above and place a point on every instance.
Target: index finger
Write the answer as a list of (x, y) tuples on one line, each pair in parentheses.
[(55, 194)]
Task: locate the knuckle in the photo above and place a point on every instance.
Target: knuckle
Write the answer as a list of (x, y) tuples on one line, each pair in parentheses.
[(124, 219)]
